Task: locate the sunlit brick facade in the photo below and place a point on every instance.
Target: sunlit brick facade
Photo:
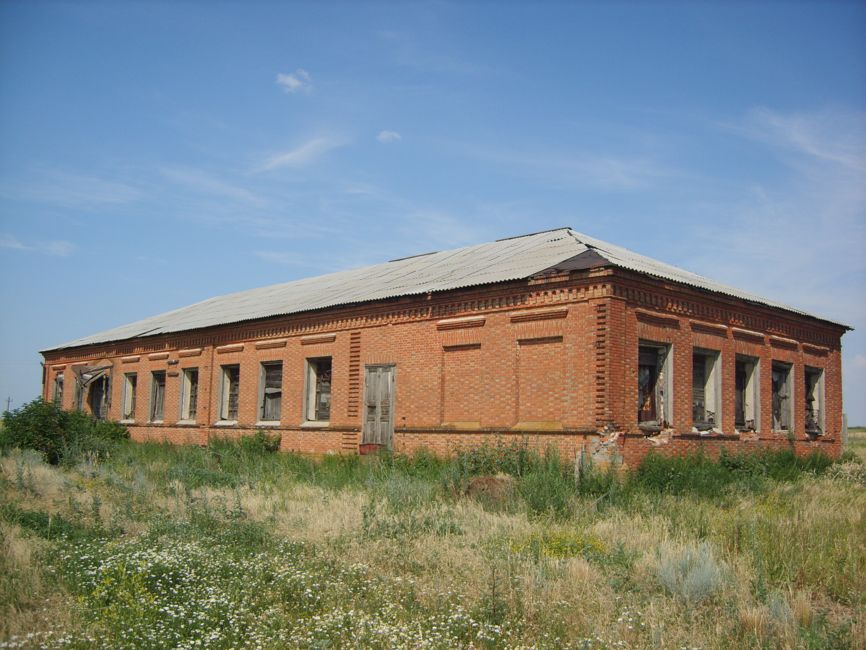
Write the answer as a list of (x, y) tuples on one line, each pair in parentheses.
[(602, 360)]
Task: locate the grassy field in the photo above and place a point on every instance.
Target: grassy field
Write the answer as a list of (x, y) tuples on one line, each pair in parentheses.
[(233, 546)]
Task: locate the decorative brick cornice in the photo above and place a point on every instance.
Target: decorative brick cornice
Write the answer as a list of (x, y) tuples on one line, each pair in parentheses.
[(708, 328), (659, 320), (313, 339), (461, 323), (747, 335), (272, 343), (538, 314)]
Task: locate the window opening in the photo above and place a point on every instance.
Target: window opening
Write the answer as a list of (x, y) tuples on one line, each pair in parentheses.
[(85, 378), (319, 389), (58, 390), (705, 390), (189, 395), (157, 396), (814, 401), (129, 385), (230, 392), (653, 380), (272, 392), (747, 395), (98, 397), (782, 397)]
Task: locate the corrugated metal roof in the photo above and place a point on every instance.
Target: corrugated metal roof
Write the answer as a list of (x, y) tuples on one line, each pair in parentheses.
[(500, 261)]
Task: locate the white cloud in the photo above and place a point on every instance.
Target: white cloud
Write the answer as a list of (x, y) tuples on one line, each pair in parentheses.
[(836, 136), (280, 257), (297, 81), (70, 190), (579, 169), (799, 236), (51, 247), (302, 155), (388, 136), (203, 183)]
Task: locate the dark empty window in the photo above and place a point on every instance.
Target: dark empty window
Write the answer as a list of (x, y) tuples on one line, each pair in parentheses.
[(319, 389), (653, 378)]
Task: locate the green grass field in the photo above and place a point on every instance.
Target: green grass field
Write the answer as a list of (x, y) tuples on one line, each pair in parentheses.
[(231, 546)]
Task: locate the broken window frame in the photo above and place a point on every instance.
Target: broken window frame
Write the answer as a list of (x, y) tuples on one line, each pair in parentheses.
[(782, 396), (84, 378), (189, 395), (270, 391), (813, 392), (230, 389), (749, 395), (57, 397), (657, 398), (317, 389), (157, 396), (707, 395), (130, 383), (99, 396)]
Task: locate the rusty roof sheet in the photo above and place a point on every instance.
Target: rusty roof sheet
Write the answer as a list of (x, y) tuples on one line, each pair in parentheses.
[(503, 260)]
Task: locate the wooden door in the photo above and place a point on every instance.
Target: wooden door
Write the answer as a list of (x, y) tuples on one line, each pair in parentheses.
[(379, 405)]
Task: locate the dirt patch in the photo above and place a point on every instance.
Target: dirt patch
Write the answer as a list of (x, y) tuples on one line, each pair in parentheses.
[(492, 489)]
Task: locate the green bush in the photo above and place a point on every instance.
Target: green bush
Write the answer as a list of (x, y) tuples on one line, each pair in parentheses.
[(261, 442), (700, 475), (61, 436), (37, 425), (549, 487)]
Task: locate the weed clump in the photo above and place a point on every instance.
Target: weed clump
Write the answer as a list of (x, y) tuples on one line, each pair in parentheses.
[(60, 436)]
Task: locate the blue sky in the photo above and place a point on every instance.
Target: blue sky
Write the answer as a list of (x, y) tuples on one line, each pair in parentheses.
[(156, 154)]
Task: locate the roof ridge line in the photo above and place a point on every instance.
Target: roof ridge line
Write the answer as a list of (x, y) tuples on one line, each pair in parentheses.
[(530, 234)]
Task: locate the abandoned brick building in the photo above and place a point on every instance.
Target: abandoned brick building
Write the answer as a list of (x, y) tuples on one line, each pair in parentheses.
[(554, 337)]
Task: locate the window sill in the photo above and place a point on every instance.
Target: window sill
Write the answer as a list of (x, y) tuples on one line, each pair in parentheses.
[(225, 423), (268, 423), (127, 421), (315, 424), (186, 423), (154, 421)]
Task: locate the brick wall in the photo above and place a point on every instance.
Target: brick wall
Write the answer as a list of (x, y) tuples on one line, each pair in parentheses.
[(552, 363)]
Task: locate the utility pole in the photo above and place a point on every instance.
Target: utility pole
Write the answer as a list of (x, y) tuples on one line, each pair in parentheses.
[(8, 403)]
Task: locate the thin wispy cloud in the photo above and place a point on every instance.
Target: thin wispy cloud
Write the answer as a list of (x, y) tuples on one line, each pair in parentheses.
[(297, 81), (578, 169), (51, 247), (832, 135), (806, 230), (70, 190), (283, 258), (202, 183), (303, 155), (408, 50), (388, 136)]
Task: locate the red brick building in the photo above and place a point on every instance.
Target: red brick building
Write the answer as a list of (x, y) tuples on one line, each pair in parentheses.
[(554, 337)]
